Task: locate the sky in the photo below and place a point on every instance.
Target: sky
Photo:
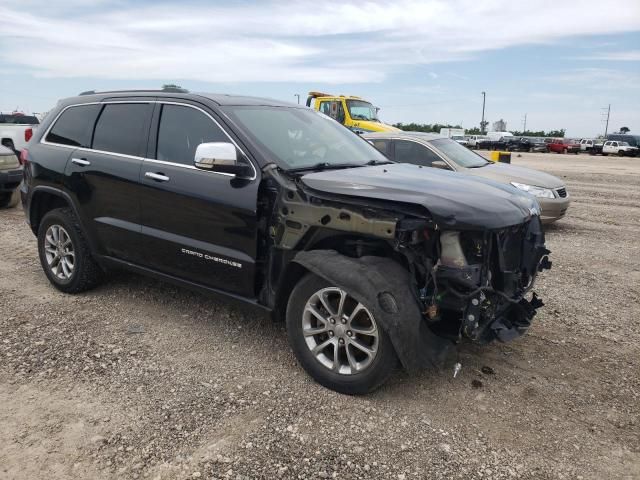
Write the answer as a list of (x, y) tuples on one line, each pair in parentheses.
[(559, 62)]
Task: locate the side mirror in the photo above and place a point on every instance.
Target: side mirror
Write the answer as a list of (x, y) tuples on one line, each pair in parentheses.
[(221, 157), (440, 164)]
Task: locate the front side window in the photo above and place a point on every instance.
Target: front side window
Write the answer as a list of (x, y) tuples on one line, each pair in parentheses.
[(75, 126), (181, 130), (122, 128), (412, 152), (302, 138)]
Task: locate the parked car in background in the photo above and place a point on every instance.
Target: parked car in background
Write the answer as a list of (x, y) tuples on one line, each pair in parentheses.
[(10, 175), (525, 144), (633, 140), (16, 130), (614, 147), (590, 145), (460, 139), (475, 141), (370, 263), (431, 150), (563, 145)]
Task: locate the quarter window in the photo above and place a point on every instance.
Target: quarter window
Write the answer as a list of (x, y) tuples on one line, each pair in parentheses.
[(121, 128), (75, 126), (181, 130), (412, 152), (383, 146)]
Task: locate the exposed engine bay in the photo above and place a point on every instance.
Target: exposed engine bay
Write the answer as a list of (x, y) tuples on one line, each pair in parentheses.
[(453, 282)]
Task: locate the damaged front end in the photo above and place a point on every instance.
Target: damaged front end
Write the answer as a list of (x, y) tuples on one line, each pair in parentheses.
[(473, 284), (431, 280)]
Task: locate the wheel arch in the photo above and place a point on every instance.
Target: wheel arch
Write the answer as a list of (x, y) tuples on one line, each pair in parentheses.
[(43, 200)]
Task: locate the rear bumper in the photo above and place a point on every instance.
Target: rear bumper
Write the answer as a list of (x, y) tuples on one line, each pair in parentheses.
[(10, 179), (553, 209)]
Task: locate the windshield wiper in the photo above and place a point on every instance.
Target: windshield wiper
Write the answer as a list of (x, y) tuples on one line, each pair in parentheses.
[(324, 166), (479, 166), (379, 162)]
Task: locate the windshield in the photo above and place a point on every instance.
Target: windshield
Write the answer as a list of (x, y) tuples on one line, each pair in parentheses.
[(297, 138), (623, 144), (459, 154), (359, 110), (457, 137)]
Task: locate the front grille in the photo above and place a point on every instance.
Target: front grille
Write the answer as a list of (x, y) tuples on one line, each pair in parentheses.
[(562, 192)]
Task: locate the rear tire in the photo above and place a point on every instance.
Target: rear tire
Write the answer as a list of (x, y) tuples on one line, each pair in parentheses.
[(349, 371), (64, 253)]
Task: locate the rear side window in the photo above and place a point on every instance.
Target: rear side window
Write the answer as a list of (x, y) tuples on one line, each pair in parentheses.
[(122, 128), (74, 126), (181, 130), (412, 152)]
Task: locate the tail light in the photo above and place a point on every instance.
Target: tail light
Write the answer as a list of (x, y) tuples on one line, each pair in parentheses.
[(28, 133), (24, 156)]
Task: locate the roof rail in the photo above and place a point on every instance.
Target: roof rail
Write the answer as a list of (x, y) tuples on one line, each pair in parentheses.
[(165, 90)]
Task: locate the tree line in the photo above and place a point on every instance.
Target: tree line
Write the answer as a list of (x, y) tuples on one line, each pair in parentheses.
[(436, 127)]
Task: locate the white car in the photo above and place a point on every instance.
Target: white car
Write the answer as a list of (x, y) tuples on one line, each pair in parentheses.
[(615, 147), (16, 129)]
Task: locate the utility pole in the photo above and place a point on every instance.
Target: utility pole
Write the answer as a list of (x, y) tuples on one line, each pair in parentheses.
[(484, 97), (606, 128), (524, 128), (297, 95)]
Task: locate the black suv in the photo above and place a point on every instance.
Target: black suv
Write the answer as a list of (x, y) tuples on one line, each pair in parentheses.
[(279, 206)]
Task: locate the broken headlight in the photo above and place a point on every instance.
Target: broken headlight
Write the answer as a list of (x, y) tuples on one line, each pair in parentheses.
[(533, 190)]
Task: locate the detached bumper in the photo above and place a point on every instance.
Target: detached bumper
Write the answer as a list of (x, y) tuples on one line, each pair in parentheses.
[(553, 209), (10, 179)]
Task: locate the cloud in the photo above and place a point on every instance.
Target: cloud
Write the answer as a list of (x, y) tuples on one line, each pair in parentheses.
[(604, 79), (340, 42), (627, 56)]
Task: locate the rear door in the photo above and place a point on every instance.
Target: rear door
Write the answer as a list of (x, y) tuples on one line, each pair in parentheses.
[(105, 178), (198, 225)]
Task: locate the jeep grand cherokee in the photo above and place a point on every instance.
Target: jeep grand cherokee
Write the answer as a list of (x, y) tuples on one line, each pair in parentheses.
[(369, 262)]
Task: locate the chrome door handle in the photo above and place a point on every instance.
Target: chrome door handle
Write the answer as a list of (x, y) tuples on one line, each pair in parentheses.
[(158, 177), (81, 161)]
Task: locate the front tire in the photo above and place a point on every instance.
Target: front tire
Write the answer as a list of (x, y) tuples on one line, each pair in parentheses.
[(336, 339), (64, 253)]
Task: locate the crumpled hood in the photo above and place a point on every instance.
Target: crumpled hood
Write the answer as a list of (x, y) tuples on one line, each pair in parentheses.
[(453, 199), (504, 172)]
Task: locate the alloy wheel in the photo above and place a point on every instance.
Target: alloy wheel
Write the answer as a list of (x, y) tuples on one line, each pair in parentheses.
[(339, 331), (59, 252)]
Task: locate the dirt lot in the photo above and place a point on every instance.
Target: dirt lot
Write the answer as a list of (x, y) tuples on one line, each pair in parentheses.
[(139, 379)]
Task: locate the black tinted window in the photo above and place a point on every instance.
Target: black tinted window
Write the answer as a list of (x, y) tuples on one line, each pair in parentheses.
[(181, 130), (412, 152), (121, 128), (19, 119), (74, 126)]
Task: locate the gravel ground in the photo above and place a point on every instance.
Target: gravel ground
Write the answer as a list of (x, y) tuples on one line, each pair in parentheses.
[(138, 379)]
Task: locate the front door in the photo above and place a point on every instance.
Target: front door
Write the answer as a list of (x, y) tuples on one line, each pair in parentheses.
[(198, 225)]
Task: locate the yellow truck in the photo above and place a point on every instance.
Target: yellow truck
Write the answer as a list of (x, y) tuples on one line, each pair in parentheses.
[(353, 112)]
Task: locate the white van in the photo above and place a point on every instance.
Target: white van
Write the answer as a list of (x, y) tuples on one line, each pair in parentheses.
[(498, 135)]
